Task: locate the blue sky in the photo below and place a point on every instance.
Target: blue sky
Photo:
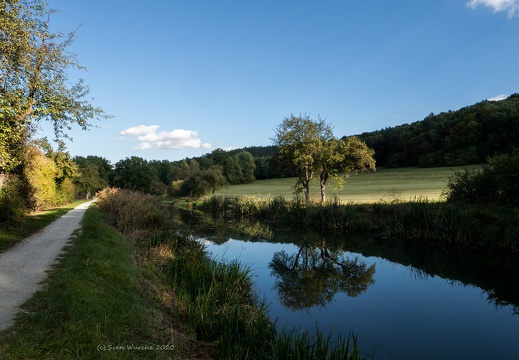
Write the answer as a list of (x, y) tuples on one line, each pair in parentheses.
[(182, 78)]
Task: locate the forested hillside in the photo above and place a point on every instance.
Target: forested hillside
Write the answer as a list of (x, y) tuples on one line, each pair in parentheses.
[(466, 136)]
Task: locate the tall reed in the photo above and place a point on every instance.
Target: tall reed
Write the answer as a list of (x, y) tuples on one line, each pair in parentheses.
[(217, 299), (132, 213), (420, 220)]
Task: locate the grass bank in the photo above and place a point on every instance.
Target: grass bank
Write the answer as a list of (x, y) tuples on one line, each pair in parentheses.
[(93, 305), (151, 293), (9, 236)]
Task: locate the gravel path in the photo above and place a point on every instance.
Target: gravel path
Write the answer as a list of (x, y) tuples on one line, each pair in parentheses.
[(23, 267)]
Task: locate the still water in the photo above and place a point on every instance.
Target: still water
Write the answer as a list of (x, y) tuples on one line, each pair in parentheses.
[(401, 303)]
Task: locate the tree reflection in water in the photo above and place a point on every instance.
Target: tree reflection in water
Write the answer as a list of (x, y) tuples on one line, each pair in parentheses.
[(314, 274)]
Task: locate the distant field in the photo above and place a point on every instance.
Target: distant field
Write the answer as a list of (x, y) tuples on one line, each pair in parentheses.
[(385, 185)]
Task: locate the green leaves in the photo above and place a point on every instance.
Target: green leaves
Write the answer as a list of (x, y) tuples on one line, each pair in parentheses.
[(34, 84), (309, 148)]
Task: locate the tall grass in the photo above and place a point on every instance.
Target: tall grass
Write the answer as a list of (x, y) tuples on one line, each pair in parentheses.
[(133, 213), (217, 299), (420, 220)]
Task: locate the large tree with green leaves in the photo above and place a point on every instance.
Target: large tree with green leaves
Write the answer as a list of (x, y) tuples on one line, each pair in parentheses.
[(309, 149), (301, 143), (34, 82), (340, 157)]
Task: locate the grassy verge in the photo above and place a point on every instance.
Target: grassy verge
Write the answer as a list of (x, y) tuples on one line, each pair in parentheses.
[(93, 305), (213, 301), (34, 222), (150, 294)]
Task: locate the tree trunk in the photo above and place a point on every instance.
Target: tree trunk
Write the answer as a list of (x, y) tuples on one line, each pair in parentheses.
[(323, 178)]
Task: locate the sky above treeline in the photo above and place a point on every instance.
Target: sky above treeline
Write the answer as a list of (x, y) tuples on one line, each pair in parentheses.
[(182, 78)]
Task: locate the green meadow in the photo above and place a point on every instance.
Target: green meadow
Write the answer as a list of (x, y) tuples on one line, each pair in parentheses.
[(384, 185)]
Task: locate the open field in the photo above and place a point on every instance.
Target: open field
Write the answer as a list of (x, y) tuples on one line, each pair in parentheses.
[(382, 185)]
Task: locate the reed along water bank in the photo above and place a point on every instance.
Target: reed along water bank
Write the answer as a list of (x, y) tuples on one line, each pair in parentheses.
[(417, 221)]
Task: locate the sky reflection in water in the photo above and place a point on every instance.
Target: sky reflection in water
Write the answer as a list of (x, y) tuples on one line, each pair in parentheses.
[(405, 314)]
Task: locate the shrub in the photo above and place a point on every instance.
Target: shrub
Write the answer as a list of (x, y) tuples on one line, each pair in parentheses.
[(496, 183), (13, 207), (133, 213)]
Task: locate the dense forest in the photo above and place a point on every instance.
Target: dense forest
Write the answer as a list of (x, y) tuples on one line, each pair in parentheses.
[(467, 136)]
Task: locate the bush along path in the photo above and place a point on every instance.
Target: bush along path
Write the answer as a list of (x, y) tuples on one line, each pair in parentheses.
[(23, 267)]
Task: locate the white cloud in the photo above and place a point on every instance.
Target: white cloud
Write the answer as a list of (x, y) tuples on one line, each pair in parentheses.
[(229, 148), (149, 138), (510, 6), (499, 97), (139, 130)]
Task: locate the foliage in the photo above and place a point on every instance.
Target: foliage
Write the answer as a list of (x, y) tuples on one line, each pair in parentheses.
[(467, 136), (301, 143), (418, 221), (496, 183), (135, 173), (202, 182), (308, 148), (41, 172), (94, 173), (341, 157), (133, 213), (12, 205), (237, 169), (313, 275), (43, 180), (34, 85)]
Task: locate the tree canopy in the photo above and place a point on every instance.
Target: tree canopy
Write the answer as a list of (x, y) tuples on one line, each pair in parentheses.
[(34, 80), (309, 148), (467, 136)]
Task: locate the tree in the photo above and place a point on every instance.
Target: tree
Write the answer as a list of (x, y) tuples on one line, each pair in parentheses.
[(66, 167), (309, 148), (339, 157), (40, 171), (93, 175), (135, 173), (247, 166), (201, 182), (34, 84), (300, 142)]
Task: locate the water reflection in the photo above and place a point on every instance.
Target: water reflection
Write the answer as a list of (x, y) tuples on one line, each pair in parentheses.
[(495, 274), (427, 303), (315, 274)]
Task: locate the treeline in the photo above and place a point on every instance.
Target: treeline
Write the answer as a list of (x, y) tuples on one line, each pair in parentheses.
[(191, 177), (47, 177), (467, 136)]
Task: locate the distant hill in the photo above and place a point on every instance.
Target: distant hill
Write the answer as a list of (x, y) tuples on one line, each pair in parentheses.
[(466, 136)]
